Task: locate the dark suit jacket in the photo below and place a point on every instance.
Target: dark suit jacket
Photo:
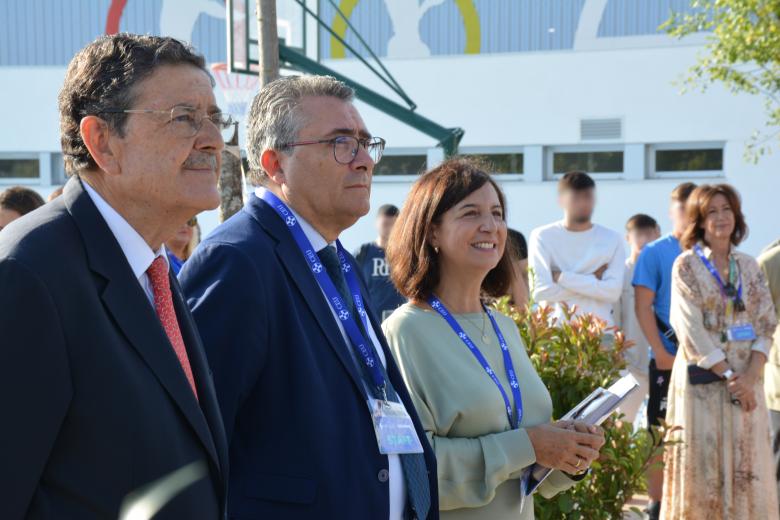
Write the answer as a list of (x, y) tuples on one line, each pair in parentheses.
[(93, 399), (302, 445)]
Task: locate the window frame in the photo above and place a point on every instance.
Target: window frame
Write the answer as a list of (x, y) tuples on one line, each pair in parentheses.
[(498, 150), (23, 156), (396, 151), (550, 151), (652, 173)]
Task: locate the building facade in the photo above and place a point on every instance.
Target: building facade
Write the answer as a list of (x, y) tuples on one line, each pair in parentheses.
[(539, 86)]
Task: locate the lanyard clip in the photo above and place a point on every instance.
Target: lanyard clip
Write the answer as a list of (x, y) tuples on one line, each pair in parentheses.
[(384, 394)]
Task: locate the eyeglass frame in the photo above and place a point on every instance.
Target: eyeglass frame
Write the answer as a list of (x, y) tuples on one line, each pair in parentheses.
[(362, 142), (227, 123)]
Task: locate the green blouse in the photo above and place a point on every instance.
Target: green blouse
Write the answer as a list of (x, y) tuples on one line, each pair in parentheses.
[(480, 458)]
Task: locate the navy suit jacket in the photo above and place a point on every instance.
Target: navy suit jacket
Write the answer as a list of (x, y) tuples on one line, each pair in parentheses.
[(94, 402), (302, 445)]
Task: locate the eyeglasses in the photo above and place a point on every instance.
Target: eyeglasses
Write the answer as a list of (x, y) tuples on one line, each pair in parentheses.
[(186, 122), (192, 222), (345, 147)]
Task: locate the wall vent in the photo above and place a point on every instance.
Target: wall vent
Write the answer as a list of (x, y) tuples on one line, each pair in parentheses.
[(596, 129)]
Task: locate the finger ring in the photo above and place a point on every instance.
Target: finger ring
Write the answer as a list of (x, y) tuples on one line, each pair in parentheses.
[(579, 463)]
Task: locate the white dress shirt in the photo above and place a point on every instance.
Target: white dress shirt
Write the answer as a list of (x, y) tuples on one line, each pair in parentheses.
[(138, 253), (396, 480)]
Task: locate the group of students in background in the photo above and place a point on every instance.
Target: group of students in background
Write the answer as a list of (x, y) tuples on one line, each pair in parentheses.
[(265, 367)]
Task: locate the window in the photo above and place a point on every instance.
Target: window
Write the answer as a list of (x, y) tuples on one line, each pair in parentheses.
[(19, 168), (593, 160), (710, 159), (501, 163), (686, 160), (401, 165)]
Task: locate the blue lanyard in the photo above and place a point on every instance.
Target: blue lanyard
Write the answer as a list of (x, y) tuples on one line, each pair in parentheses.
[(363, 347), (715, 274), (439, 307)]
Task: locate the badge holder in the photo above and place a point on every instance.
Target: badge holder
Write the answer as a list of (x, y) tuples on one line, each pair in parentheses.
[(394, 429), (743, 332)]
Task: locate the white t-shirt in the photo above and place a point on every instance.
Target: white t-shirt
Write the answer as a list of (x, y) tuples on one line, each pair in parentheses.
[(638, 356), (577, 255)]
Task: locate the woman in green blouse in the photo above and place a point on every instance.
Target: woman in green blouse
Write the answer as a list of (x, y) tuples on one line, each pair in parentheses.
[(460, 360)]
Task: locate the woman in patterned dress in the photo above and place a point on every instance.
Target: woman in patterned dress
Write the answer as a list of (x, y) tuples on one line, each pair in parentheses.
[(718, 465)]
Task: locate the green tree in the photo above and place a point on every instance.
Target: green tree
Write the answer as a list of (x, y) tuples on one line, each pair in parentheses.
[(742, 52)]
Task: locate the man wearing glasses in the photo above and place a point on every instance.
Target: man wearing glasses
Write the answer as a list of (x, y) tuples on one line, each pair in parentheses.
[(108, 404), (319, 421)]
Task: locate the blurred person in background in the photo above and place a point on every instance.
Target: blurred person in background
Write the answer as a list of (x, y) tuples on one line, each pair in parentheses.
[(769, 261), (372, 263), (652, 296), (16, 202), (182, 244), (718, 462), (518, 290), (56, 193), (574, 261), (485, 410), (641, 229)]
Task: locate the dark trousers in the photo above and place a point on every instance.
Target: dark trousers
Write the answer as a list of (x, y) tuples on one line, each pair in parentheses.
[(774, 423)]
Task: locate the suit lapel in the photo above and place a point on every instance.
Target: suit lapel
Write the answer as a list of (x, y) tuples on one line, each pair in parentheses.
[(291, 258), (203, 379), (127, 303)]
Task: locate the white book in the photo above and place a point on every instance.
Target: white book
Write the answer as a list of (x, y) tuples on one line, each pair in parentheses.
[(593, 410)]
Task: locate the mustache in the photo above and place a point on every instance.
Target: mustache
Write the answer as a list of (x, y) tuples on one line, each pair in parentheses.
[(201, 160)]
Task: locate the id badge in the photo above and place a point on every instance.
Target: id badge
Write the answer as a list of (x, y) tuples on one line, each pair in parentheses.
[(741, 333), (394, 429)]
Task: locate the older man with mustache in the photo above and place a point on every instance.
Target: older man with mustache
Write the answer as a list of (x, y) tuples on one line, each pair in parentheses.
[(104, 384)]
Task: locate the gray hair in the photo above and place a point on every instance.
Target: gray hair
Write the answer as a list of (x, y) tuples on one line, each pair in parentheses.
[(274, 119)]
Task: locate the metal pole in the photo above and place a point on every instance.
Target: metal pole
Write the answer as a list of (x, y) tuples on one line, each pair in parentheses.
[(268, 41)]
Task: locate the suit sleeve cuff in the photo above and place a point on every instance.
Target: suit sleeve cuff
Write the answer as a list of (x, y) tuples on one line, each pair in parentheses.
[(712, 359)]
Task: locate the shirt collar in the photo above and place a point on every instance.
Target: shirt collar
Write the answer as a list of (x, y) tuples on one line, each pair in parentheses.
[(708, 252), (138, 253), (317, 241)]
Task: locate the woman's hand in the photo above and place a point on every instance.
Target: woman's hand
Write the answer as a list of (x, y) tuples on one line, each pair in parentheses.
[(568, 446), (743, 387)]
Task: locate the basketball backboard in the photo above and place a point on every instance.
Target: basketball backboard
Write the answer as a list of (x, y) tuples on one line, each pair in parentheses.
[(242, 31)]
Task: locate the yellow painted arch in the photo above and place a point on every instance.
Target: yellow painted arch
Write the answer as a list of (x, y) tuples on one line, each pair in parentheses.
[(467, 11)]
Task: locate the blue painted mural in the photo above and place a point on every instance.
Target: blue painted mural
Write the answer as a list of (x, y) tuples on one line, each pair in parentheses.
[(49, 32)]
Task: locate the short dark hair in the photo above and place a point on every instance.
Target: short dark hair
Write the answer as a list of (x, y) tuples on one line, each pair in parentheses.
[(682, 192), (696, 209), (641, 221), (387, 210), (575, 181), (414, 265), (20, 199), (516, 240), (103, 76)]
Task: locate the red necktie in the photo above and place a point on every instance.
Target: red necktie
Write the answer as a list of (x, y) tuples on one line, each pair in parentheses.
[(163, 304)]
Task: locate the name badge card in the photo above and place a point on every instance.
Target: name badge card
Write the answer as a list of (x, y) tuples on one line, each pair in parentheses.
[(743, 332), (394, 428)]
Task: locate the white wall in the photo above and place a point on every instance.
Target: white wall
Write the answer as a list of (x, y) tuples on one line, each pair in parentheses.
[(516, 100)]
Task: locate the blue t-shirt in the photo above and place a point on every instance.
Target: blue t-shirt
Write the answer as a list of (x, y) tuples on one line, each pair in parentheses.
[(384, 297), (175, 262), (654, 271)]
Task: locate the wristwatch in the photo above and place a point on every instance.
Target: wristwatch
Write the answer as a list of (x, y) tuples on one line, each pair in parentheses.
[(727, 374)]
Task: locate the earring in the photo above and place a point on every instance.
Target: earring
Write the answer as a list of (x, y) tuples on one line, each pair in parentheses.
[(436, 248)]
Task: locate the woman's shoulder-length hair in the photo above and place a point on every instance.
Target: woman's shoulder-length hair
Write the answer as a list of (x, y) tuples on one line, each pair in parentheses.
[(414, 264), (696, 210)]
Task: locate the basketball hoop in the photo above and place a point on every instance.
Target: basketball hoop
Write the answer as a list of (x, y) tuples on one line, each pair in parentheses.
[(238, 89)]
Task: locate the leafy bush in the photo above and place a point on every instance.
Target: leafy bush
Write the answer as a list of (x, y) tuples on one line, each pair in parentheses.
[(574, 357)]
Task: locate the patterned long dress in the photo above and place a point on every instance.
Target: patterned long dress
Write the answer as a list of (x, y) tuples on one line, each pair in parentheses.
[(721, 467)]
